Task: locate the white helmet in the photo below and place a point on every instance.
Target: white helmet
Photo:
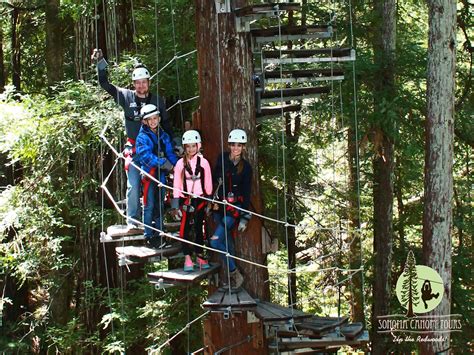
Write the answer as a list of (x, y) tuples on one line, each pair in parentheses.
[(237, 136), (148, 111), (191, 136), (140, 73)]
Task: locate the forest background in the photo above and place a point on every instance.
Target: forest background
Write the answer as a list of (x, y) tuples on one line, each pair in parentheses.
[(54, 293)]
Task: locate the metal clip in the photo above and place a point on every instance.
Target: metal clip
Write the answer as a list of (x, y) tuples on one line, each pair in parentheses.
[(222, 6)]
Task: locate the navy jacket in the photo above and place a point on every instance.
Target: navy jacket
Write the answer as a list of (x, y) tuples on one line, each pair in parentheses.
[(131, 103), (239, 184)]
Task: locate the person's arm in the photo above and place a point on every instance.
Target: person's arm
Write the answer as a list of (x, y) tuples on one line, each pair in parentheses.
[(145, 152), (178, 179), (207, 177), (114, 91)]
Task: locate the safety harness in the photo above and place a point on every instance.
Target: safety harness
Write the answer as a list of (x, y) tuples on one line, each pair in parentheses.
[(187, 208)]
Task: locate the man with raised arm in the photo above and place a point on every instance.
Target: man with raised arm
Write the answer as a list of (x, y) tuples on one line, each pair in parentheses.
[(132, 101)]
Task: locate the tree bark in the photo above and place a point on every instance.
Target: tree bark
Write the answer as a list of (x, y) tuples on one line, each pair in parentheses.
[(125, 23), (383, 163), (437, 213), (15, 46), (54, 42), (357, 300), (2, 64), (226, 88)]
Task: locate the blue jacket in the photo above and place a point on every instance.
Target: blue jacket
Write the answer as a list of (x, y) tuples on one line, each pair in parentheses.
[(153, 150)]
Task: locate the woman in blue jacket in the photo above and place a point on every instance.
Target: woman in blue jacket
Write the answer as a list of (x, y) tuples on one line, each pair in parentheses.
[(156, 157)]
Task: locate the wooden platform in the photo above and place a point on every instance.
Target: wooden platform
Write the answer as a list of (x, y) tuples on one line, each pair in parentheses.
[(142, 254), (276, 110), (300, 76), (271, 313), (181, 277), (108, 239), (293, 94), (308, 56), (258, 9), (329, 341), (121, 230), (352, 331), (291, 33), (121, 233), (223, 299), (320, 325)]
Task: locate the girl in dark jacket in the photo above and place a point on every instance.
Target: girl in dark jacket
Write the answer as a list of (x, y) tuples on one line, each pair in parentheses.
[(232, 179)]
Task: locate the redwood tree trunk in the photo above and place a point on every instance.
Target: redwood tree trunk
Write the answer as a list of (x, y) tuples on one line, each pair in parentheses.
[(2, 65), (357, 300), (15, 46), (227, 101), (437, 214), (54, 42), (383, 164)]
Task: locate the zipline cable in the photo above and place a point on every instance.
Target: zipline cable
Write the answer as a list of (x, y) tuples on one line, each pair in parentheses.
[(356, 134), (102, 198)]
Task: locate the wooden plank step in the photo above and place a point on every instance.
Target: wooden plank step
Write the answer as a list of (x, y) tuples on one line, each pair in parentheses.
[(308, 56), (352, 330), (144, 253), (294, 334), (319, 325), (105, 238), (222, 299), (299, 76), (258, 9), (270, 312), (181, 277), (293, 94), (276, 110), (291, 33), (331, 340), (121, 230)]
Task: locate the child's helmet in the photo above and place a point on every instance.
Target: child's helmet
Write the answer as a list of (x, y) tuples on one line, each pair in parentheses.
[(191, 136), (148, 111)]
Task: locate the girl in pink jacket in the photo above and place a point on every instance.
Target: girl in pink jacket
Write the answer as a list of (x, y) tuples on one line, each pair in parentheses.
[(192, 174)]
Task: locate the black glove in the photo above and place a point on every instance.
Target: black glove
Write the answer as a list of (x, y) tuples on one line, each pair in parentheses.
[(167, 166)]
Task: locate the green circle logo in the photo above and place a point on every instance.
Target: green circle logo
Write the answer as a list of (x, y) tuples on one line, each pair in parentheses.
[(419, 288)]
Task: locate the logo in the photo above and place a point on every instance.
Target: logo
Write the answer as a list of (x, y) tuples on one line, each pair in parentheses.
[(419, 290)]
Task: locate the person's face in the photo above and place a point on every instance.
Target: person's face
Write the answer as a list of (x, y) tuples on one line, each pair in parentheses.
[(141, 86), (152, 121), (191, 149), (235, 149)]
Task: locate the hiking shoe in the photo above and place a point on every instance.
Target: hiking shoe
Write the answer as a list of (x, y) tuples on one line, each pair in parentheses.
[(188, 263), (153, 242), (202, 263), (236, 279)]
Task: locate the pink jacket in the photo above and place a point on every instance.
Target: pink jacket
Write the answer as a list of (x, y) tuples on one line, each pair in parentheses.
[(192, 186)]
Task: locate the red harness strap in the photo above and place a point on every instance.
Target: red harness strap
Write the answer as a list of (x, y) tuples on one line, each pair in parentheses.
[(129, 152), (187, 215), (146, 185)]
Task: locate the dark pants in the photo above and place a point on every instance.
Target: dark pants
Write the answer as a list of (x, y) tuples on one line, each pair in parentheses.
[(193, 220)]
